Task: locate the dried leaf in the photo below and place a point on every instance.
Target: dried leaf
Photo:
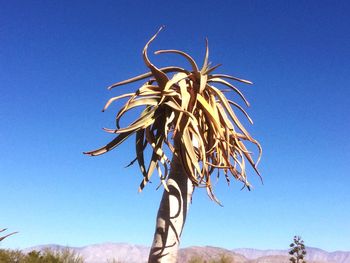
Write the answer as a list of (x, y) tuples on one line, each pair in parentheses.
[(194, 119)]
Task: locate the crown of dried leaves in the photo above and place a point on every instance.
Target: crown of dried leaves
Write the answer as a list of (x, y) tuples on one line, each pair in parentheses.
[(185, 111)]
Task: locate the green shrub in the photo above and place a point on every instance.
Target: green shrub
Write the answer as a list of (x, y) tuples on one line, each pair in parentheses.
[(196, 259), (46, 256), (11, 256), (114, 261), (222, 259)]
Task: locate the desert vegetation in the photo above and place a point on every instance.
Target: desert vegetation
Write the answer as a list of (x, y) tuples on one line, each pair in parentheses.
[(46, 256), (222, 259), (297, 250), (186, 112)]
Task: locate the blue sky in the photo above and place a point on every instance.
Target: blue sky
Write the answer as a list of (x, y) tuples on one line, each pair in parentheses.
[(58, 57)]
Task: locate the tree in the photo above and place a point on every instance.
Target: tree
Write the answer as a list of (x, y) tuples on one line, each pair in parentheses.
[(297, 250), (182, 110)]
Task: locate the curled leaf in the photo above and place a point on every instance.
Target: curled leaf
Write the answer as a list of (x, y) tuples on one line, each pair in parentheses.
[(183, 111)]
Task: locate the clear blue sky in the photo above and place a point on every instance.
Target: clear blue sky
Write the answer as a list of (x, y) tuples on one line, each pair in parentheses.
[(58, 57)]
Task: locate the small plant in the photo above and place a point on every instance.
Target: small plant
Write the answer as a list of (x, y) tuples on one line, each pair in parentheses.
[(297, 250)]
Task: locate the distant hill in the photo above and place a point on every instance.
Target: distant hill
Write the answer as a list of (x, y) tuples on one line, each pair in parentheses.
[(209, 253), (313, 254), (128, 253)]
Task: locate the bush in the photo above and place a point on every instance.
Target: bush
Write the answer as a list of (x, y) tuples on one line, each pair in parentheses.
[(46, 256), (11, 256), (223, 259)]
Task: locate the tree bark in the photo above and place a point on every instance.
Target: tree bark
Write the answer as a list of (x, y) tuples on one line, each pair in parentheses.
[(172, 215)]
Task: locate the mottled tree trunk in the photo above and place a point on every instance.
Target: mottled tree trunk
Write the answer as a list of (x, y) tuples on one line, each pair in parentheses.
[(172, 215)]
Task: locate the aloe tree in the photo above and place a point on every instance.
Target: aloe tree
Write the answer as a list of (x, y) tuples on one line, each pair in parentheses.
[(185, 114)]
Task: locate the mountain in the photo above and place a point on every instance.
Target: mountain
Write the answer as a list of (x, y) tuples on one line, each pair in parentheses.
[(120, 252), (128, 253), (207, 254), (251, 253), (105, 252), (313, 254)]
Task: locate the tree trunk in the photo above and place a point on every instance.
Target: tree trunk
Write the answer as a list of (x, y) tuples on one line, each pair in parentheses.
[(171, 215)]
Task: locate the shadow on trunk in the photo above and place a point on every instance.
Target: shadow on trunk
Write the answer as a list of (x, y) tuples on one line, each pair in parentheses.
[(172, 215)]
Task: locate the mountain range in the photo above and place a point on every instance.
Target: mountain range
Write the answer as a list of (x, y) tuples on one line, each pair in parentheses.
[(129, 253)]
